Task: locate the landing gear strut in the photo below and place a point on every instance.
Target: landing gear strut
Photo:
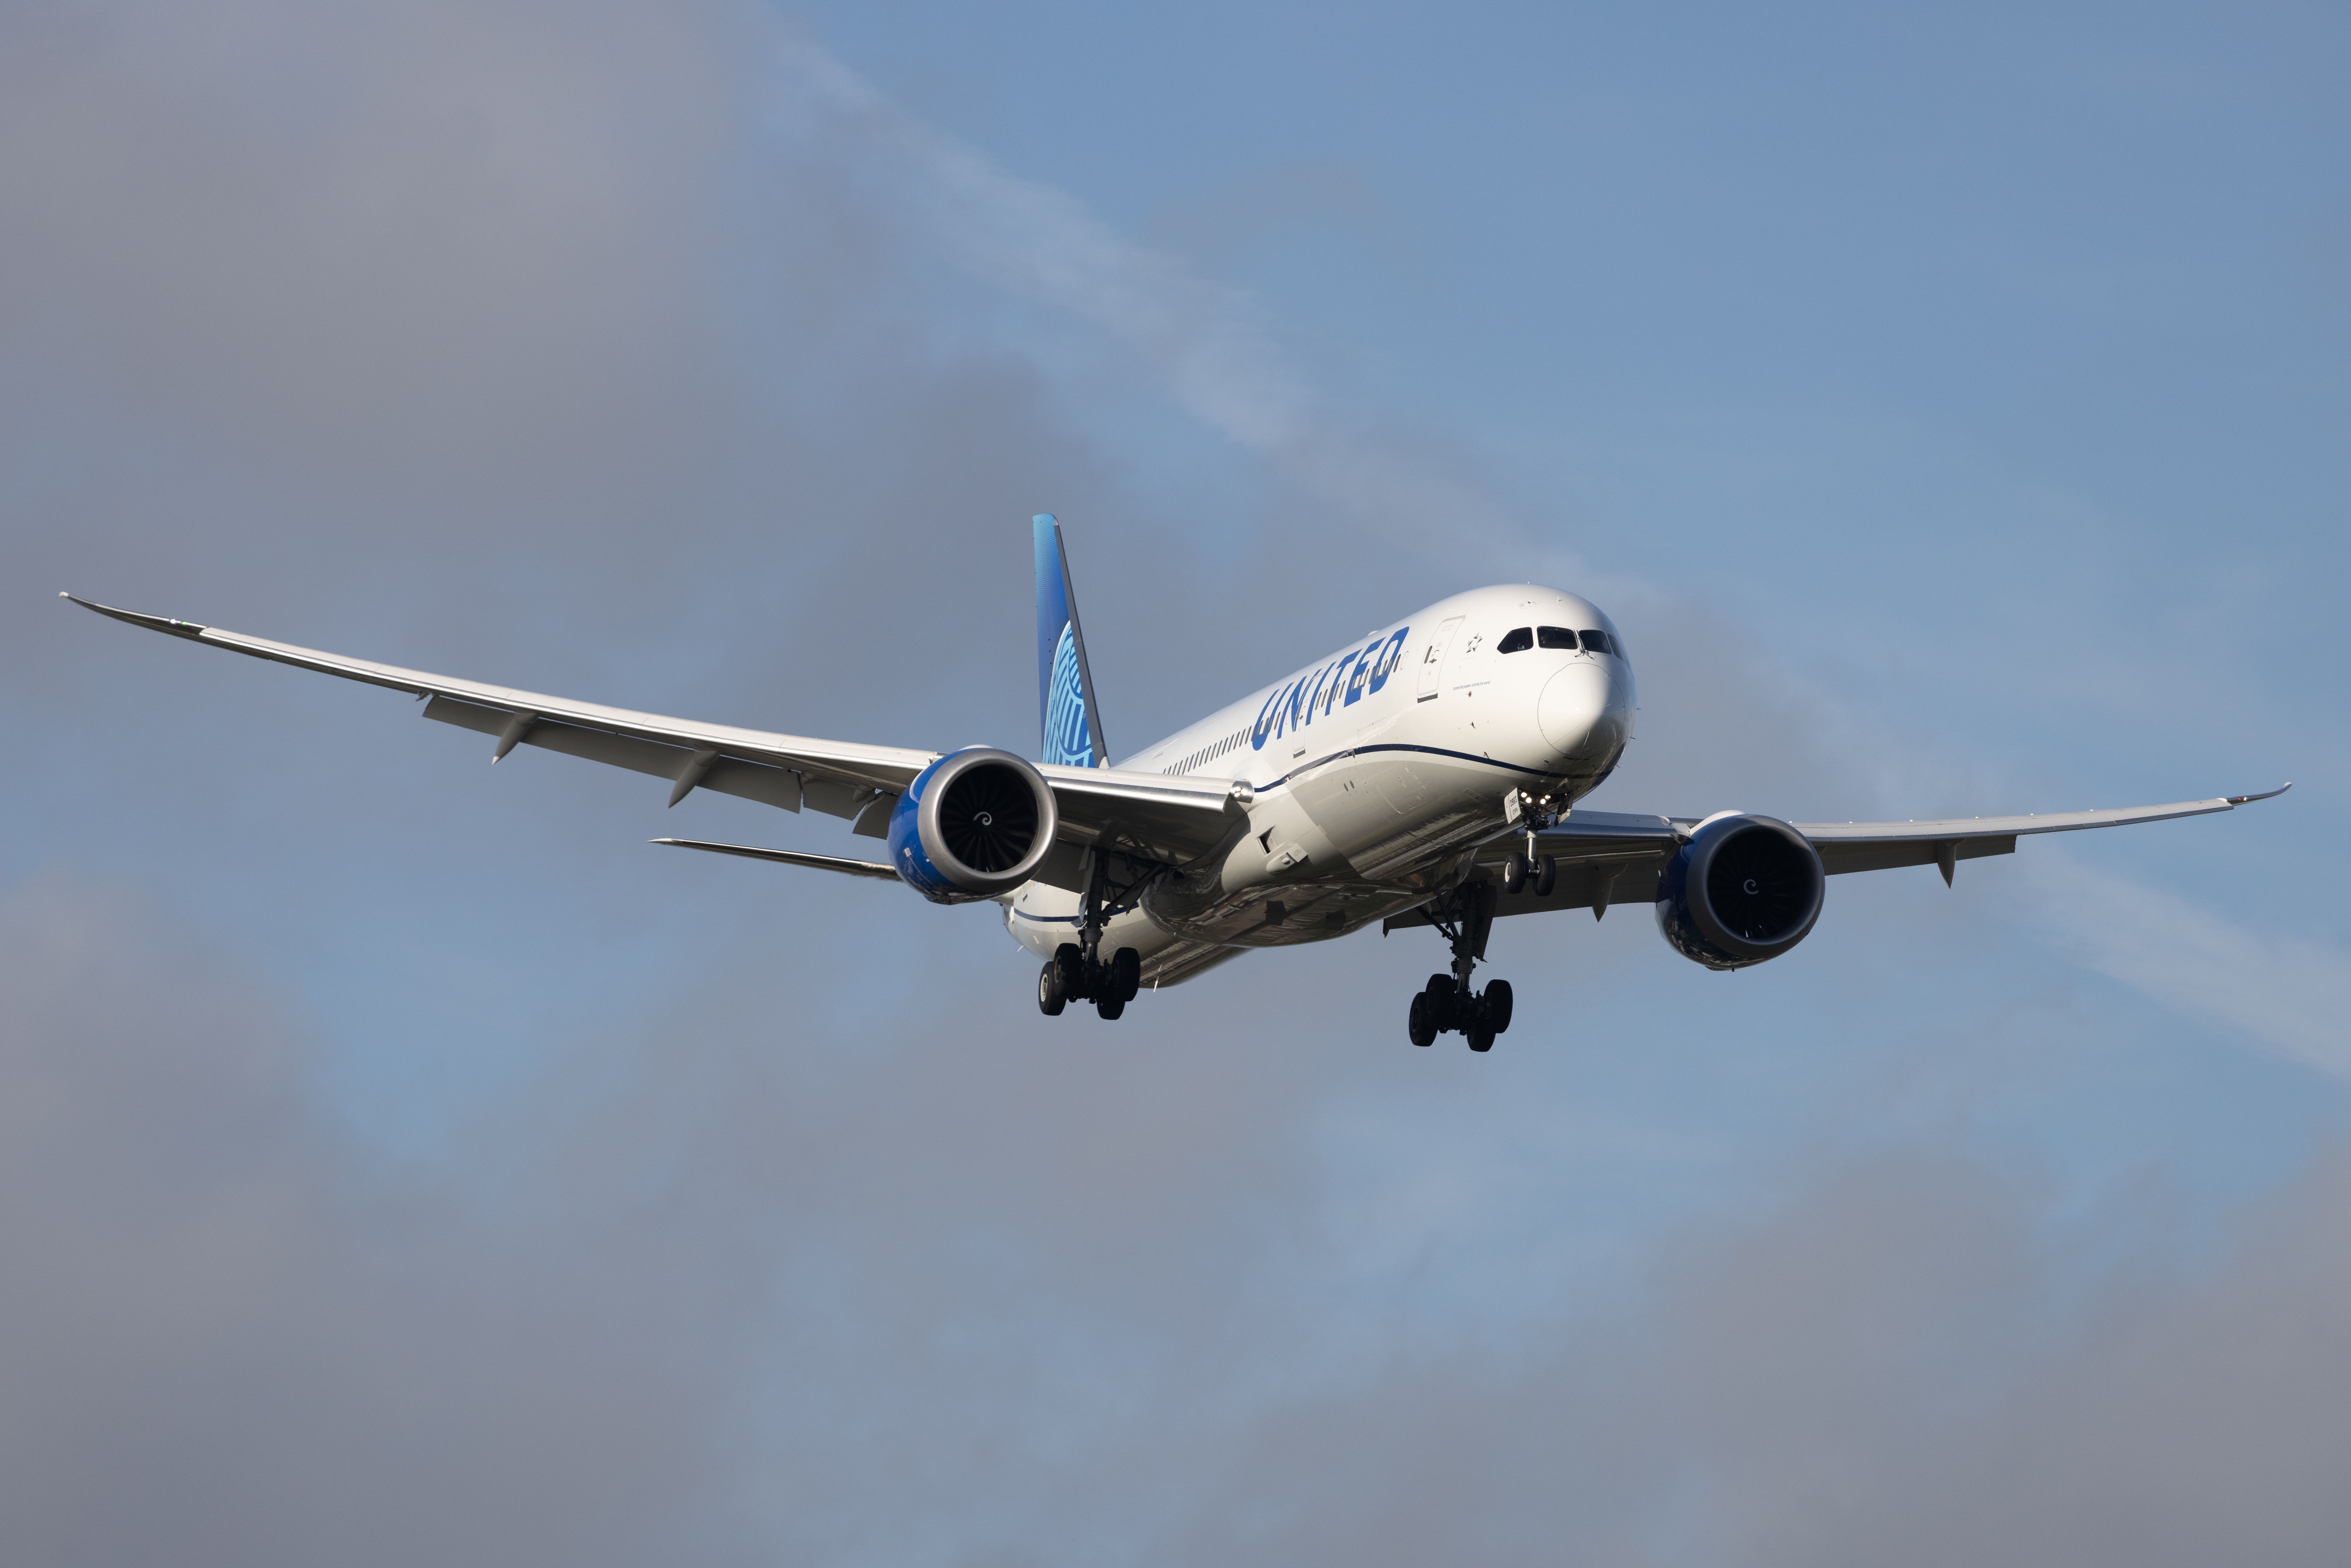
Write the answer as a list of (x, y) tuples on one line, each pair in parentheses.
[(1449, 1002), (1077, 971)]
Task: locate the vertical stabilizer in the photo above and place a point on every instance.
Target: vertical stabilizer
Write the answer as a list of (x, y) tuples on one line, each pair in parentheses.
[(1065, 688)]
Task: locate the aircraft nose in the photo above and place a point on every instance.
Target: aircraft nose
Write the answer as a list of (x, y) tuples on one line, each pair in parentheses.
[(1574, 711)]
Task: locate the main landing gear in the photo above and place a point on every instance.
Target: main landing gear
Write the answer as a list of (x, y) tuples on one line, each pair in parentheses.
[(1449, 1002), (1072, 976), (1077, 972)]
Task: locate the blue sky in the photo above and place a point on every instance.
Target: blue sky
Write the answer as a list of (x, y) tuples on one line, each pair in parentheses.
[(1949, 408)]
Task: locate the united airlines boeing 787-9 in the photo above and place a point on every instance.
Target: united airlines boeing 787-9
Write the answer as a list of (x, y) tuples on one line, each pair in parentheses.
[(1425, 774)]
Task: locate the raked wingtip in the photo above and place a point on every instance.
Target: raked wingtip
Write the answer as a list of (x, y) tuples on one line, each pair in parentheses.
[(136, 618)]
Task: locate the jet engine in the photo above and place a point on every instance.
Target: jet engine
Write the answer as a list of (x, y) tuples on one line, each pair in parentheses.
[(974, 824), (1743, 888)]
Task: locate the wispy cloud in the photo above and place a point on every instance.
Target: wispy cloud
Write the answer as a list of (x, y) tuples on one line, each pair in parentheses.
[(2292, 994), (1046, 246), (1203, 340)]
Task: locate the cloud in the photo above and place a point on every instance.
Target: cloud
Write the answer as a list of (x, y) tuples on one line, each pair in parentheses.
[(2290, 994), (1888, 1366), (1045, 244), (228, 1340), (941, 1298)]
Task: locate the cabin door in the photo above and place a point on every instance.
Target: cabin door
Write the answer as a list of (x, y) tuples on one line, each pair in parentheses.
[(1432, 660)]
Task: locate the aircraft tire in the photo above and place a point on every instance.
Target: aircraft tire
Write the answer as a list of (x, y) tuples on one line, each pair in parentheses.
[(1494, 1007), (1125, 974), (1110, 1007), (1514, 872), (1480, 1038), (1439, 993), (1422, 1027), (1072, 963), (1051, 998), (1546, 875)]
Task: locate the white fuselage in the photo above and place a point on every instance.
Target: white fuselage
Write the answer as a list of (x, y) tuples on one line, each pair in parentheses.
[(1373, 771)]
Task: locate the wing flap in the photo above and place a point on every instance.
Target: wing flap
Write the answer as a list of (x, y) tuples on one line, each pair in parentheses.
[(1596, 835), (1148, 815), (727, 775), (1839, 856), (874, 868)]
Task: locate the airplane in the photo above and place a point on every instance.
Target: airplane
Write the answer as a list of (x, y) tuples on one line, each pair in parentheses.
[(1426, 775)]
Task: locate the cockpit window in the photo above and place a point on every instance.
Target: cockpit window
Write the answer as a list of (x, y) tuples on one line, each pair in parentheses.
[(1518, 642), (1596, 642), (1557, 637)]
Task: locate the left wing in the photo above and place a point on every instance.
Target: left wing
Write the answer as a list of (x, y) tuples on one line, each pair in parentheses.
[(1140, 813), (1878, 846), (1604, 858)]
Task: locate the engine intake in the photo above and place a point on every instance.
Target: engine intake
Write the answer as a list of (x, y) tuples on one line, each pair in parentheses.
[(1744, 889), (974, 824)]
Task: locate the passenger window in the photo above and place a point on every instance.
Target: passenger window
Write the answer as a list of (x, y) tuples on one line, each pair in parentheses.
[(1517, 642), (1558, 637), (1596, 642)]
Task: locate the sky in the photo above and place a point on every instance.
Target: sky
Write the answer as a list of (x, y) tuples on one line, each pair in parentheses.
[(401, 1161)]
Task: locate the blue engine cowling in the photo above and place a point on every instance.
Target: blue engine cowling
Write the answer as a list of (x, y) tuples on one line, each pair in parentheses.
[(974, 824), (1742, 890)]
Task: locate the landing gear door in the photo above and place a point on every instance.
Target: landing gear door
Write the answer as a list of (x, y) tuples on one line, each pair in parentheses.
[(1432, 661)]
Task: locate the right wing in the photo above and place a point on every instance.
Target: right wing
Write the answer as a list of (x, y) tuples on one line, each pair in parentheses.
[(1605, 858), (1140, 814)]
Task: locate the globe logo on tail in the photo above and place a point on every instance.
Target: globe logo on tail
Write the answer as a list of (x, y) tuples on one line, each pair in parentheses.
[(1068, 739)]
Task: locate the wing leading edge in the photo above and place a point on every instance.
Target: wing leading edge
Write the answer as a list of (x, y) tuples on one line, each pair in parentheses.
[(1141, 814)]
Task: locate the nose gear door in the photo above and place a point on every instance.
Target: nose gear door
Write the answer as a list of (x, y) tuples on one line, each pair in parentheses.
[(1432, 660)]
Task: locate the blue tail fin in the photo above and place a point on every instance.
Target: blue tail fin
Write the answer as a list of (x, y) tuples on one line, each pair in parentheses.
[(1065, 688)]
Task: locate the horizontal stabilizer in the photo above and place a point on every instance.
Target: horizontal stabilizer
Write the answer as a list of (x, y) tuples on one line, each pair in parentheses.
[(787, 857)]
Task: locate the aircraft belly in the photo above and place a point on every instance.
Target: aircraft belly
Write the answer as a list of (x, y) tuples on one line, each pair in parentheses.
[(1343, 799), (1041, 918), (1291, 914), (1438, 807), (1363, 836)]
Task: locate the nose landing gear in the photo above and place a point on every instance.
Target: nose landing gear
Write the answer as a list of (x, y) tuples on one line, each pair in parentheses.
[(1449, 1002), (1526, 867)]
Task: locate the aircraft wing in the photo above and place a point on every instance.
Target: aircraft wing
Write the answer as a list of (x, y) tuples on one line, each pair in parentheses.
[(1605, 858), (1878, 846), (1142, 813)]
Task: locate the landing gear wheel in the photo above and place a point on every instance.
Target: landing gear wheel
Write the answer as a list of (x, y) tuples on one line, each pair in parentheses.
[(1110, 1007), (1480, 1038), (1514, 872), (1440, 997), (1050, 996), (1070, 964), (1546, 875), (1125, 974), (1423, 1027), (1494, 1007)]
